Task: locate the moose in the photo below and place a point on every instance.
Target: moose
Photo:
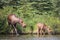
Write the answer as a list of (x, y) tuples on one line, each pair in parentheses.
[(41, 28), (13, 20)]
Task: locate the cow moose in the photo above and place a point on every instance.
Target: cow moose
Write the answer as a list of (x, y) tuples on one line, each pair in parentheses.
[(41, 28), (13, 20)]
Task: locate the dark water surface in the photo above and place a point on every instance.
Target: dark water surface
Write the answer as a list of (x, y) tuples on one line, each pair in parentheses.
[(29, 37)]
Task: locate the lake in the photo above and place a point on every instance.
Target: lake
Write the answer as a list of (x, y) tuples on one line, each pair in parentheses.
[(29, 37)]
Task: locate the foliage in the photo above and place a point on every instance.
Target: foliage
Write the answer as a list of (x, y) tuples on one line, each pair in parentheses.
[(32, 12)]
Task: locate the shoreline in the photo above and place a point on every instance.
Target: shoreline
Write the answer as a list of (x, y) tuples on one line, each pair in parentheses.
[(27, 33)]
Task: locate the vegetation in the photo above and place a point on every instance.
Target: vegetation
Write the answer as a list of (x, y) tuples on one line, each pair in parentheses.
[(32, 12)]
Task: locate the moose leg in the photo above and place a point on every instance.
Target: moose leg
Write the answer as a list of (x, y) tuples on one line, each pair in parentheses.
[(44, 32), (10, 27), (38, 31), (41, 31), (49, 32), (15, 29)]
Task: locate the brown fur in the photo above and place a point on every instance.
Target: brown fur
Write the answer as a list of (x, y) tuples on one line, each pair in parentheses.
[(13, 20), (42, 28)]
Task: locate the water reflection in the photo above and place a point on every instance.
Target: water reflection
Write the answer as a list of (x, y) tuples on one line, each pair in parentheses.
[(29, 37)]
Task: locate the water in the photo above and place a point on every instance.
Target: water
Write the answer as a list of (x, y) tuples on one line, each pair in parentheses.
[(29, 37)]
